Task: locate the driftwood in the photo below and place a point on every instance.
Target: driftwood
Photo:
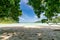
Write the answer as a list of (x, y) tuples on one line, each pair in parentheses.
[(56, 30)]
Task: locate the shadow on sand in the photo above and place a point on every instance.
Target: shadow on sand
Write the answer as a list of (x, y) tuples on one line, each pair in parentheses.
[(21, 33)]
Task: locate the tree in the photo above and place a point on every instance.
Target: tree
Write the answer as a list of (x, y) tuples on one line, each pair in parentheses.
[(10, 9), (50, 8), (56, 20)]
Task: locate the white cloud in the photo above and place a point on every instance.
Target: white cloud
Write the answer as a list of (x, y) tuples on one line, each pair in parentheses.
[(42, 16), (21, 18), (35, 16), (58, 14), (25, 1), (26, 18), (30, 7)]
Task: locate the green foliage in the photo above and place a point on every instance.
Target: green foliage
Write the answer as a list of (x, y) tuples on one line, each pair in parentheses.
[(7, 20), (10, 8), (42, 21), (56, 20), (51, 8)]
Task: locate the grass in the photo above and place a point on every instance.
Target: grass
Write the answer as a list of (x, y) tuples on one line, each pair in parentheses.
[(7, 20)]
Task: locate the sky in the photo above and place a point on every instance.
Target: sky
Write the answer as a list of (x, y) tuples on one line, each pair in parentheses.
[(28, 14)]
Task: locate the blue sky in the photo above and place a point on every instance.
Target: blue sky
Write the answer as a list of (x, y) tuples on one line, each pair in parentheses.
[(28, 14)]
